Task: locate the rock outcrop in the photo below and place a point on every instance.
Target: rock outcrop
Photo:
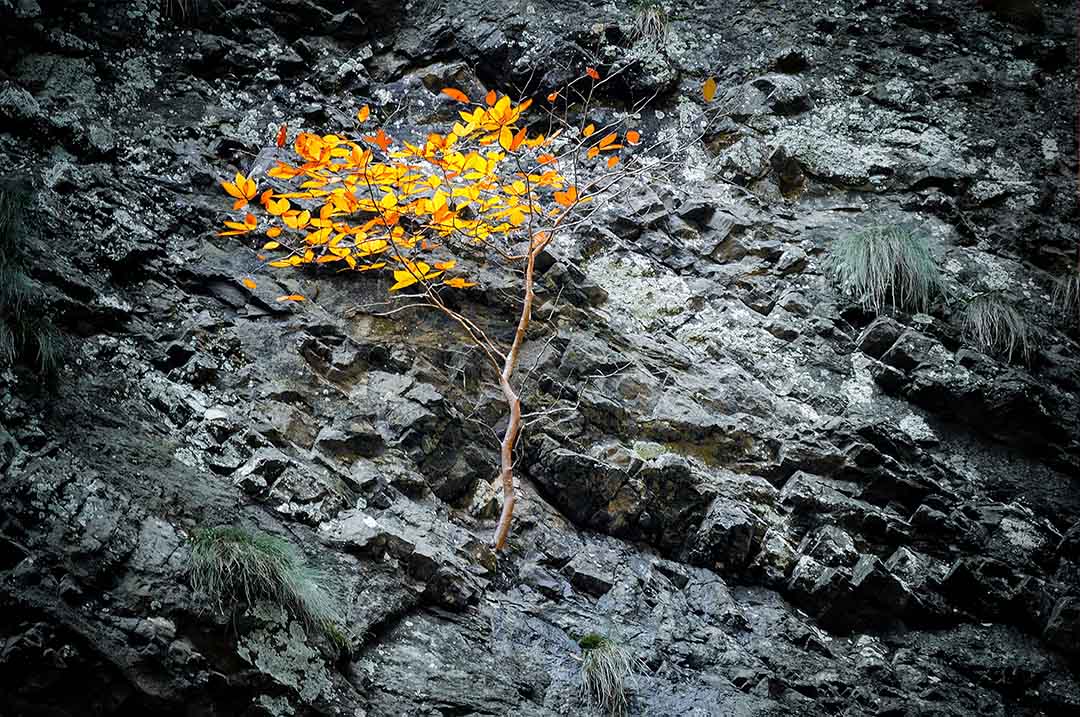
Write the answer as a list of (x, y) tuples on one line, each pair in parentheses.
[(780, 503)]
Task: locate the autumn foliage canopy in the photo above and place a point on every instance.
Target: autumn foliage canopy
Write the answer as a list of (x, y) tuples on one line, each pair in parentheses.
[(373, 202)]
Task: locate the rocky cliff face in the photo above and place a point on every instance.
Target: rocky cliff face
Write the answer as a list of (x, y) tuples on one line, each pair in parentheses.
[(779, 503)]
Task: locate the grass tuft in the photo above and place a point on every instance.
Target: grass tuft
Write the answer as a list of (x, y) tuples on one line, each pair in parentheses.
[(178, 9), (886, 265), (1067, 298), (7, 345), (993, 323), (232, 567), (650, 23), (605, 667), (26, 333)]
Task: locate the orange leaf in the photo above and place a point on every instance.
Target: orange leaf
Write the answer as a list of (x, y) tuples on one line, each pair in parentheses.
[(593, 151), (608, 139), (567, 198), (591, 72), (633, 136), (553, 96), (708, 90), (380, 138), (489, 100), (363, 113), (456, 95), (232, 190), (546, 158), (249, 283), (247, 184), (291, 297), (250, 223), (612, 161), (518, 139), (458, 283), (284, 171), (589, 129), (281, 134)]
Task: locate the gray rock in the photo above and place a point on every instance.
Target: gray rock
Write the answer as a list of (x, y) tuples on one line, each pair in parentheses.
[(777, 508)]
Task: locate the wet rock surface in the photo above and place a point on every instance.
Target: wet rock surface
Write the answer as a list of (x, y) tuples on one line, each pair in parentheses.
[(779, 503)]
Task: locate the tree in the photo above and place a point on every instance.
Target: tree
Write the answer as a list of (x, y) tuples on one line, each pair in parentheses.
[(490, 190)]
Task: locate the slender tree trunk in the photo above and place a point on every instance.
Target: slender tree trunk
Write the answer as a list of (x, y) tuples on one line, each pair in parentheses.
[(513, 401)]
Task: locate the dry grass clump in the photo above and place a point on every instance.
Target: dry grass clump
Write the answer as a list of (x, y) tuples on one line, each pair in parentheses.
[(994, 324), (884, 266), (605, 667), (650, 22), (26, 332), (1067, 297), (233, 566)]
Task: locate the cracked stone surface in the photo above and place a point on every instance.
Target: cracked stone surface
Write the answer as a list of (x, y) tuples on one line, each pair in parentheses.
[(778, 502)]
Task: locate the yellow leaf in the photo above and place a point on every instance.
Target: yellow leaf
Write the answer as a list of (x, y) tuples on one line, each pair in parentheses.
[(273, 233), (277, 207), (506, 138), (389, 200), (298, 221), (320, 237), (371, 246), (249, 283), (363, 114), (589, 129), (403, 279), (271, 245), (291, 297), (709, 89)]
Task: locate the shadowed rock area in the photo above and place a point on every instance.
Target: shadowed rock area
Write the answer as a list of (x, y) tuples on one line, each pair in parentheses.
[(779, 502)]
